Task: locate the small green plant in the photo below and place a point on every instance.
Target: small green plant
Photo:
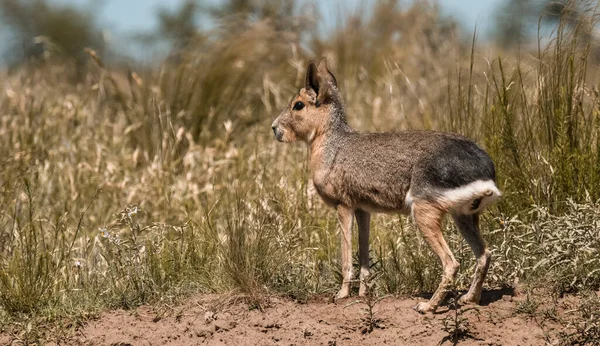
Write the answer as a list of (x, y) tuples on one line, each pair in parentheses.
[(370, 300), (529, 306), (455, 324)]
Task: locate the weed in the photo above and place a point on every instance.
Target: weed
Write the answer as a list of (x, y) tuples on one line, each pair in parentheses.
[(529, 306), (584, 327), (370, 300), (455, 324)]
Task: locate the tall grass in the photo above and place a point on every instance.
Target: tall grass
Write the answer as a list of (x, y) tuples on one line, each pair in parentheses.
[(119, 191)]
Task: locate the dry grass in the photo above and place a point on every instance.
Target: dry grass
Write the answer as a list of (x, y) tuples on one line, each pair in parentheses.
[(119, 191)]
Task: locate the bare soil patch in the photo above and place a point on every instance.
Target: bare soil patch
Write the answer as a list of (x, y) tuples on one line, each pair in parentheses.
[(219, 320)]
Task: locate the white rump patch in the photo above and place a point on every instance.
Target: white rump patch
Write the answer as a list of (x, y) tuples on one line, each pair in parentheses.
[(463, 199)]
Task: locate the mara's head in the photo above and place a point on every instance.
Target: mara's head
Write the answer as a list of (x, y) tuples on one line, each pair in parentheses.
[(308, 113)]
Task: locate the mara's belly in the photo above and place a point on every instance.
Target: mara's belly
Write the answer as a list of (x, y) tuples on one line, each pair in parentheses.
[(371, 208), (381, 199)]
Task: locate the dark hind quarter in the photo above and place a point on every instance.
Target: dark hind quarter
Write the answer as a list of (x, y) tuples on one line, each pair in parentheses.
[(456, 163)]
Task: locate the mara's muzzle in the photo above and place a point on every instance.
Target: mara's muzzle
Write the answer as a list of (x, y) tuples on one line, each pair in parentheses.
[(277, 132)]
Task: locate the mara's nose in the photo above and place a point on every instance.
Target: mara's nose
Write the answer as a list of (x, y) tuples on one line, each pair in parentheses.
[(274, 127)]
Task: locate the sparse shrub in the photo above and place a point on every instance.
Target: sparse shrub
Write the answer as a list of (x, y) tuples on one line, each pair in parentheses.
[(29, 272), (138, 262), (584, 327), (569, 245), (559, 249)]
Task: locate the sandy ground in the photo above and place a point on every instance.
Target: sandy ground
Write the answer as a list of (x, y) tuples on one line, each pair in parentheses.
[(219, 320)]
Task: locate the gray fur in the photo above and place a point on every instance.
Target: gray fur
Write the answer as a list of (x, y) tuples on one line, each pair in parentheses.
[(378, 169)]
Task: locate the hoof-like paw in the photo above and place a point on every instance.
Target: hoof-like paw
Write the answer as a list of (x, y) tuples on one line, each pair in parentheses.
[(424, 308), (343, 293), (468, 299)]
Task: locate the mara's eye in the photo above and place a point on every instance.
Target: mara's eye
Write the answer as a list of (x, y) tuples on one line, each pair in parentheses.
[(298, 105)]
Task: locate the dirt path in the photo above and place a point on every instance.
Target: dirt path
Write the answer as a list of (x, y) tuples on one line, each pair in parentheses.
[(214, 320)]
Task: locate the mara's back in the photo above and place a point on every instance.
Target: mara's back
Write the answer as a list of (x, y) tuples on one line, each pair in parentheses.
[(378, 170)]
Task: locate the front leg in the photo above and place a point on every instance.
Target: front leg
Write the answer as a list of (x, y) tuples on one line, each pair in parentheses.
[(345, 218), (363, 219)]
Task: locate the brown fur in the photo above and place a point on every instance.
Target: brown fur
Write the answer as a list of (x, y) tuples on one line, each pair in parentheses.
[(425, 173)]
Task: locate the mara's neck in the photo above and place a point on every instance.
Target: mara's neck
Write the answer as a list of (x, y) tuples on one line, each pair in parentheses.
[(324, 145), (315, 152), (337, 123)]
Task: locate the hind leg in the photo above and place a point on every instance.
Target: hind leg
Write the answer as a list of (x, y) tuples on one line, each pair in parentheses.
[(363, 220), (468, 225), (428, 218)]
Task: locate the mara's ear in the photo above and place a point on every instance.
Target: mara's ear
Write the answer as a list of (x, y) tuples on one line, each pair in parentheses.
[(325, 73), (320, 80), (312, 78)]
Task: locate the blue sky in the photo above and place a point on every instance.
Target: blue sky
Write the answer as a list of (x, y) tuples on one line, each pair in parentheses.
[(122, 18)]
